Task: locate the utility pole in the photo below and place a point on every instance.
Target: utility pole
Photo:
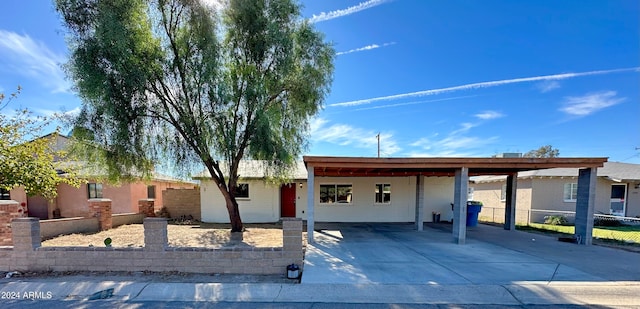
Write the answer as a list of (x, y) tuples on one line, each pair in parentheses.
[(378, 137)]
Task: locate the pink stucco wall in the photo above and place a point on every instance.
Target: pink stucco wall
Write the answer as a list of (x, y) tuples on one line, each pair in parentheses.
[(18, 195), (72, 202), (124, 197)]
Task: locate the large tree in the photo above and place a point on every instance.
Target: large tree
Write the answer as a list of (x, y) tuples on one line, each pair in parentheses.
[(26, 159), (546, 151), (178, 80)]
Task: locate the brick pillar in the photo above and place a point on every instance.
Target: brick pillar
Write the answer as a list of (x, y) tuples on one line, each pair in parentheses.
[(101, 209), (292, 239), (26, 234), (145, 207), (9, 210), (155, 234)]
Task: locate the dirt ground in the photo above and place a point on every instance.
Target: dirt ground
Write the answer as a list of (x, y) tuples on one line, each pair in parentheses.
[(198, 235), (208, 235)]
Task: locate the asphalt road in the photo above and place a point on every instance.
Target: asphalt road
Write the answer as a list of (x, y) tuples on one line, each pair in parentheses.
[(251, 305)]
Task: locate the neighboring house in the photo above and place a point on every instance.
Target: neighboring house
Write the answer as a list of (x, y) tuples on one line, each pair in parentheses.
[(617, 189), (72, 202)]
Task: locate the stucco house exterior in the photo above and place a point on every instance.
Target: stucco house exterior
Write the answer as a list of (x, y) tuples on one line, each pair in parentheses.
[(617, 190), (349, 189), (72, 202), (259, 200), (355, 199)]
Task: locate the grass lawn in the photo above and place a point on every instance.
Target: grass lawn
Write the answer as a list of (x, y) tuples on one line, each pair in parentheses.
[(619, 233)]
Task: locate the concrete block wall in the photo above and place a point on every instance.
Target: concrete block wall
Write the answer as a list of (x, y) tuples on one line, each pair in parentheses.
[(9, 210), (123, 219), (156, 255), (56, 227), (181, 202)]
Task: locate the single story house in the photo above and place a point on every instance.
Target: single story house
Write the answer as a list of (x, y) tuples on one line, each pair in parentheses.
[(350, 189), (72, 202), (259, 200), (617, 190)]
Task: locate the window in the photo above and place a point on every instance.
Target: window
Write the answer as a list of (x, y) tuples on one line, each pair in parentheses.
[(151, 191), (94, 190), (570, 192), (4, 194), (383, 193), (470, 191), (336, 194), (503, 193), (242, 190)]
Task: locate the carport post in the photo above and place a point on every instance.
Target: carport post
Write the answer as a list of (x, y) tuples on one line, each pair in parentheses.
[(460, 195), (510, 202), (585, 204), (420, 202), (310, 202)]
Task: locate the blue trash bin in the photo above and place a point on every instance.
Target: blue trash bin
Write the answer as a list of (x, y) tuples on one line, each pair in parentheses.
[(473, 209)]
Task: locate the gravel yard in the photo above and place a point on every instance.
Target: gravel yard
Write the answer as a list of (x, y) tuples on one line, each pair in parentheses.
[(200, 235)]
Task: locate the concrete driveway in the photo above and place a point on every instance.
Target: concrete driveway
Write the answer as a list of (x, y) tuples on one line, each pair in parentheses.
[(365, 253)]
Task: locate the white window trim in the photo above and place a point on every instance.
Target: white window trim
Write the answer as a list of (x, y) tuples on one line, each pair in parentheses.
[(335, 203), (248, 198), (503, 189), (564, 188), (382, 203)]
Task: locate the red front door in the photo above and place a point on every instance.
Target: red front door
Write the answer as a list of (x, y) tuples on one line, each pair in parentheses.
[(288, 200)]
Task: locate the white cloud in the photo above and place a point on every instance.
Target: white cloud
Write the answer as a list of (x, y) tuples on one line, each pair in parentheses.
[(216, 5), (346, 135), (488, 115), (590, 103), (344, 12), (33, 59), (48, 112), (454, 144), (548, 85), (482, 85), (368, 47)]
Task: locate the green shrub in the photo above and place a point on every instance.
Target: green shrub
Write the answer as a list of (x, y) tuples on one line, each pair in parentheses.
[(555, 220)]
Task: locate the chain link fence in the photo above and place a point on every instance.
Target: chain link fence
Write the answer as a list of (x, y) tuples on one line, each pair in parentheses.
[(608, 227)]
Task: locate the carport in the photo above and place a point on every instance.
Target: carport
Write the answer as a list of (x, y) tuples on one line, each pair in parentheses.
[(461, 169)]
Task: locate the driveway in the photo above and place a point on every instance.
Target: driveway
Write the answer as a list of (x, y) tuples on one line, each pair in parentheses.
[(365, 253)]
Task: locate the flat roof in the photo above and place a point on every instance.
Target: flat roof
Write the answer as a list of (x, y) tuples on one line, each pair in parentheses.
[(437, 166)]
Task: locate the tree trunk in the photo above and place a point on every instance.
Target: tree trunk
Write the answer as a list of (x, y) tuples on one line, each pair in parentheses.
[(234, 214)]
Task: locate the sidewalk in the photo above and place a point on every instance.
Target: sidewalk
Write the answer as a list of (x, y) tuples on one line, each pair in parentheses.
[(527, 293), (381, 264)]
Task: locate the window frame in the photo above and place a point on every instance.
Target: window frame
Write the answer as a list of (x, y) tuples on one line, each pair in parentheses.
[(239, 192), (336, 198), (573, 194), (379, 197), (95, 191), (5, 194), (151, 189), (503, 193)]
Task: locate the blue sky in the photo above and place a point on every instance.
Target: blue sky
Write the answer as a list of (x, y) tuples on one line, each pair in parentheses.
[(433, 78)]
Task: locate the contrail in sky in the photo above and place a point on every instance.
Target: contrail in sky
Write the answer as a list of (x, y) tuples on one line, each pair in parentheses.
[(344, 12), (481, 85)]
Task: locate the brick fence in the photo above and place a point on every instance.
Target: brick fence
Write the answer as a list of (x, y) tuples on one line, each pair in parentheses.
[(145, 207), (28, 255), (9, 210), (101, 209)]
